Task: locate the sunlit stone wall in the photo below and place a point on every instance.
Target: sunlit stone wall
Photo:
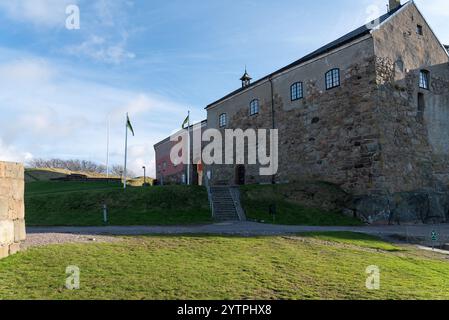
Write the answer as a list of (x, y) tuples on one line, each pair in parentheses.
[(12, 208)]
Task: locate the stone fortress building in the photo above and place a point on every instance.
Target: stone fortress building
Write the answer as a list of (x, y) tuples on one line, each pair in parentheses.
[(368, 112)]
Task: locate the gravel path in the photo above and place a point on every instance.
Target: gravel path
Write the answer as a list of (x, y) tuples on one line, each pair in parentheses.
[(43, 239), (243, 229)]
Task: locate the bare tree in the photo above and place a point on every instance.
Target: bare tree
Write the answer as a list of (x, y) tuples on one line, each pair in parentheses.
[(117, 170), (72, 165)]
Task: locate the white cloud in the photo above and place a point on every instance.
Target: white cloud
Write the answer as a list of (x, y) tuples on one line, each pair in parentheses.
[(57, 112), (105, 32), (26, 70), (47, 13), (9, 153), (99, 49)]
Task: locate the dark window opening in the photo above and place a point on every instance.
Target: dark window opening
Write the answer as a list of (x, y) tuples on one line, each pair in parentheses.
[(419, 30), (296, 91), (332, 79), (421, 107)]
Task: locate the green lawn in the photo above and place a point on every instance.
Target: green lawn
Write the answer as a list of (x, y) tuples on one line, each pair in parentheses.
[(81, 204), (52, 187), (257, 199), (323, 266)]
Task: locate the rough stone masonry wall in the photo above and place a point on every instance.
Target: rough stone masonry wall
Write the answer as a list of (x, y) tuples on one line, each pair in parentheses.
[(414, 171), (333, 136), (12, 208)]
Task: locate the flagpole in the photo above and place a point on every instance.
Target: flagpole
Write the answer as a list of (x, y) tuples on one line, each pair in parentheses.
[(107, 152), (126, 151), (188, 152)]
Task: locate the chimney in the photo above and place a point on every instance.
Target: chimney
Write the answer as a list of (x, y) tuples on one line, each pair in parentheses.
[(394, 4)]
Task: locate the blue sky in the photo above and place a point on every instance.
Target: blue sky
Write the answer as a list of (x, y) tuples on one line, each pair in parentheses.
[(155, 59)]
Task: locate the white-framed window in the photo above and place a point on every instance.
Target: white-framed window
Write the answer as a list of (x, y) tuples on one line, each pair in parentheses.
[(424, 77), (296, 91), (332, 78), (223, 120), (254, 107)]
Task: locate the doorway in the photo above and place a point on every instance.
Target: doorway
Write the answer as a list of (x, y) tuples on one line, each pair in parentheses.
[(195, 175), (421, 107), (240, 175)]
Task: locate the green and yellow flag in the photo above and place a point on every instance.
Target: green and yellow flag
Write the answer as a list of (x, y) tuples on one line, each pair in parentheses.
[(186, 122), (129, 125)]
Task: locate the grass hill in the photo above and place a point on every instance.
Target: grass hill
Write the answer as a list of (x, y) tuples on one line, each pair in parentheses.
[(61, 203), (72, 203), (45, 174), (305, 203)]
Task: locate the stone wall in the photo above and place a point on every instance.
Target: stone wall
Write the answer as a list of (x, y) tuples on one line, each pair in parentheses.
[(12, 208), (413, 176), (329, 135)]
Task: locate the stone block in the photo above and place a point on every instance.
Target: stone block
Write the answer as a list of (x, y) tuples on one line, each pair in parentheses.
[(6, 232), (5, 187), (20, 210), (4, 208), (17, 189), (2, 170), (14, 171), (19, 230), (16, 209), (14, 248), (4, 251)]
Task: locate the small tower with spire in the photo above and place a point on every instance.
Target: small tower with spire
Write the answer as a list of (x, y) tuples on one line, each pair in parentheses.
[(246, 79)]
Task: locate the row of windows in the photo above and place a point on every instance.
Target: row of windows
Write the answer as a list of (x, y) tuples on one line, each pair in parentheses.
[(332, 81), (296, 93)]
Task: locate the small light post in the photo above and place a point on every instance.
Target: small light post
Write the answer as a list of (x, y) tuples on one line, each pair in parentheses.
[(105, 213), (144, 176)]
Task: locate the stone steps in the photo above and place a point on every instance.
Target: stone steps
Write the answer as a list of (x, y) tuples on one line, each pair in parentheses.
[(224, 206)]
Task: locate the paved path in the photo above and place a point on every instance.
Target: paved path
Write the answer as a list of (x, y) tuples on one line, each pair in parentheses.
[(246, 229)]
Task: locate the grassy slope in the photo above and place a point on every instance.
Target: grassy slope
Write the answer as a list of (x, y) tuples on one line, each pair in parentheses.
[(42, 188), (256, 200), (47, 174), (80, 203), (330, 266)]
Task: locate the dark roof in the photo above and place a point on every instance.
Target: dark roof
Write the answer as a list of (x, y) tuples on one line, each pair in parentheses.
[(447, 47), (351, 36)]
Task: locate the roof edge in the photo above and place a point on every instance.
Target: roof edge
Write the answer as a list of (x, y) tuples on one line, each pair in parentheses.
[(203, 122), (287, 68), (326, 49), (445, 48)]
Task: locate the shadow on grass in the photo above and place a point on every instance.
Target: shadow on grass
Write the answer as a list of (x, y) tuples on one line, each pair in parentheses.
[(354, 238)]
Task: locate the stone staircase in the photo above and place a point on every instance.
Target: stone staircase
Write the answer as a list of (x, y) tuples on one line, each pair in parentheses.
[(226, 206)]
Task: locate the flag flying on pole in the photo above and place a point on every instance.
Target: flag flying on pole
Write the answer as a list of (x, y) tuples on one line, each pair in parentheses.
[(129, 125), (186, 122)]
